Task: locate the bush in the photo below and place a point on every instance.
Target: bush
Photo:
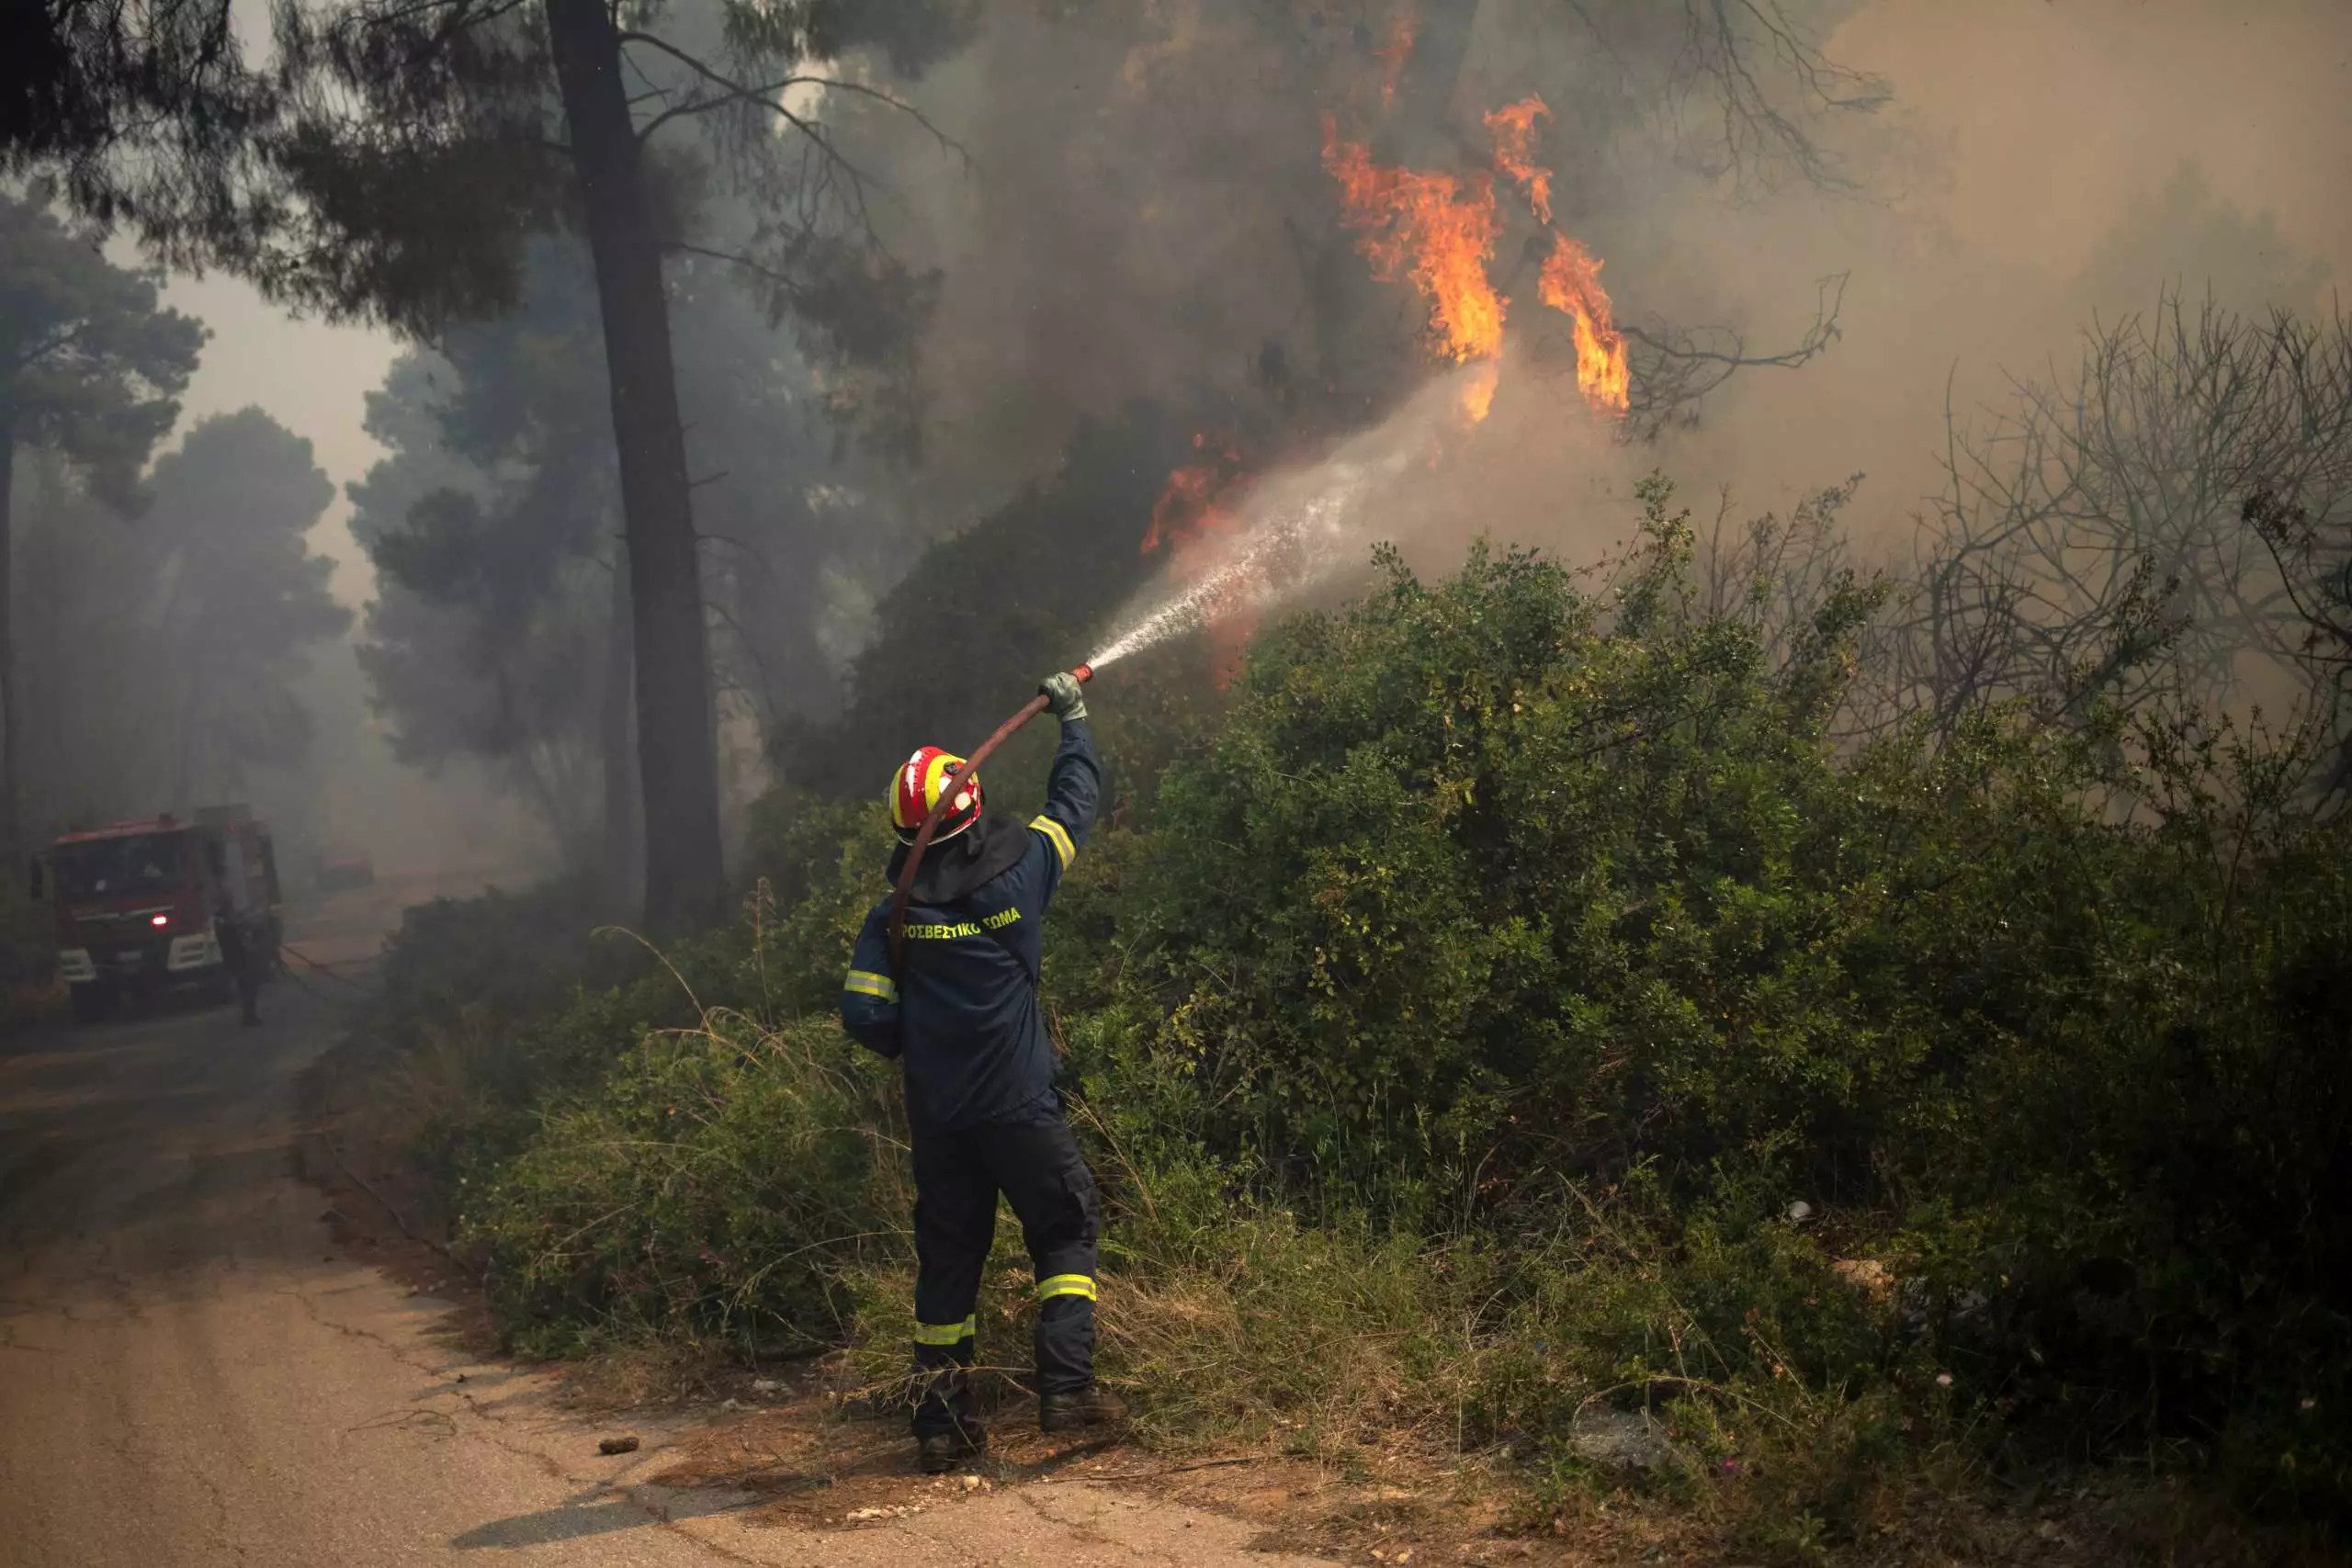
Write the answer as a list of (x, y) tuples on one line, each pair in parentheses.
[(512, 954), (1458, 1018), (1479, 875), (717, 1185), (1491, 885)]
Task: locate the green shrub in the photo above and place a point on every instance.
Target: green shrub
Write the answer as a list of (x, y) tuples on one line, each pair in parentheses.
[(1456, 1019), (1495, 875), (716, 1185), (511, 954)]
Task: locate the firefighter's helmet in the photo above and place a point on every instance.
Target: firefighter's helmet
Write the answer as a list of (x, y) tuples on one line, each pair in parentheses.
[(917, 786)]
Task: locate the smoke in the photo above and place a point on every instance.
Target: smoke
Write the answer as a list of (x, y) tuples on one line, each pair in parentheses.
[(450, 830), (2045, 168), (1119, 224), (1143, 215)]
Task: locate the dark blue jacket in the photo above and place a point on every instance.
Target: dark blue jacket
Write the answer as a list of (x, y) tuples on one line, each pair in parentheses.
[(963, 1015)]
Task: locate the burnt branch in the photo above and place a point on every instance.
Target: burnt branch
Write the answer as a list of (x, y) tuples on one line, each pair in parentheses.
[(717, 90), (785, 283), (713, 91), (2314, 571)]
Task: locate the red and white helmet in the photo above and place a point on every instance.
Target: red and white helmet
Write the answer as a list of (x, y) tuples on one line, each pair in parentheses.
[(917, 786)]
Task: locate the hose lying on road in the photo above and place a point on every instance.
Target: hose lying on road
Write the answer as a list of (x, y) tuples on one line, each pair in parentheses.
[(310, 963), (382, 1202)]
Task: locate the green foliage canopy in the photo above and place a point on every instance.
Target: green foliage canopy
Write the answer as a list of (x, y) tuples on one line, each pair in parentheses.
[(89, 366)]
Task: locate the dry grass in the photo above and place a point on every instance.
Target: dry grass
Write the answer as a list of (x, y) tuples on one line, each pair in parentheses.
[(438, 1076), (1298, 1338), (634, 1373)]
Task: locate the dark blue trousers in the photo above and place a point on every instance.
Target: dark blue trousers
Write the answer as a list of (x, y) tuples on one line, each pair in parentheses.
[(1032, 1158)]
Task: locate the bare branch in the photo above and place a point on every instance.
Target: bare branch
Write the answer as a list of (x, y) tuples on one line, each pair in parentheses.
[(768, 97), (2179, 506), (783, 281), (1753, 77), (1674, 368)]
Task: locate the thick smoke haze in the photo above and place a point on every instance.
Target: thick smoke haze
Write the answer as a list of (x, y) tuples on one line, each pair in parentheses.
[(312, 376), (2037, 166), (2052, 164)]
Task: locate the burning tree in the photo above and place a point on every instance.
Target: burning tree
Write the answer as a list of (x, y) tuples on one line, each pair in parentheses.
[(1440, 181), (1440, 230)]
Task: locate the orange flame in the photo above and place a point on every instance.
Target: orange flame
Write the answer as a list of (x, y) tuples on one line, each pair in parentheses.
[(1514, 129), (1439, 230), (1187, 508), (1187, 521), (1433, 229), (1571, 283)]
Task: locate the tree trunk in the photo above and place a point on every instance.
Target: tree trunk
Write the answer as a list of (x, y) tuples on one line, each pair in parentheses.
[(1418, 129), (624, 834), (10, 801), (677, 760)]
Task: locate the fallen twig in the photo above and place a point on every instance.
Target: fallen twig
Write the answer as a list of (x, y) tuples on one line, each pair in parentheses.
[(1173, 1469)]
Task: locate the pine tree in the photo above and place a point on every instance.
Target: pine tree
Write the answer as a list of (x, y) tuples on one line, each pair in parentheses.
[(89, 368)]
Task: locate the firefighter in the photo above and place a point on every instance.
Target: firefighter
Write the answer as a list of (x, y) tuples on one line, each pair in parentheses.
[(241, 955), (962, 1017)]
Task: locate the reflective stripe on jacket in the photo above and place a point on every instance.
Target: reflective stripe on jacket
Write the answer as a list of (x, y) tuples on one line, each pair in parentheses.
[(963, 1015)]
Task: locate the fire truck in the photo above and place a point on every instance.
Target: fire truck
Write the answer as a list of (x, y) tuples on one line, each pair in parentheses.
[(140, 903)]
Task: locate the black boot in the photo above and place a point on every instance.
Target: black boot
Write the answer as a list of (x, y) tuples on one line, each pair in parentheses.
[(1092, 1405), (947, 1421), (944, 1451)]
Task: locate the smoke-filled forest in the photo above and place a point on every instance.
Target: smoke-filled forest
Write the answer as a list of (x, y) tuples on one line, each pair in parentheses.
[(1720, 639)]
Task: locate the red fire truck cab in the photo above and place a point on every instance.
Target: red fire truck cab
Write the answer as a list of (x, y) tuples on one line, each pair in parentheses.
[(139, 904)]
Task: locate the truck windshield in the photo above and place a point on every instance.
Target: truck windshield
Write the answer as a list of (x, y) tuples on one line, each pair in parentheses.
[(124, 867)]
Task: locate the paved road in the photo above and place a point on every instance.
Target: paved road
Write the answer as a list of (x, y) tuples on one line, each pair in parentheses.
[(189, 1376)]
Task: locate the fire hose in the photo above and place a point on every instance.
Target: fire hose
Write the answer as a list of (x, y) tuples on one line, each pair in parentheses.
[(971, 770), (287, 950)]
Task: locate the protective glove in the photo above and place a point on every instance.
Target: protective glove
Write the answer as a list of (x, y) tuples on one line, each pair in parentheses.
[(1065, 698)]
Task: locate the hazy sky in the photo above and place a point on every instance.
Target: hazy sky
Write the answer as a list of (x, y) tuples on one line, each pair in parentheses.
[(2052, 116), (2055, 113)]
